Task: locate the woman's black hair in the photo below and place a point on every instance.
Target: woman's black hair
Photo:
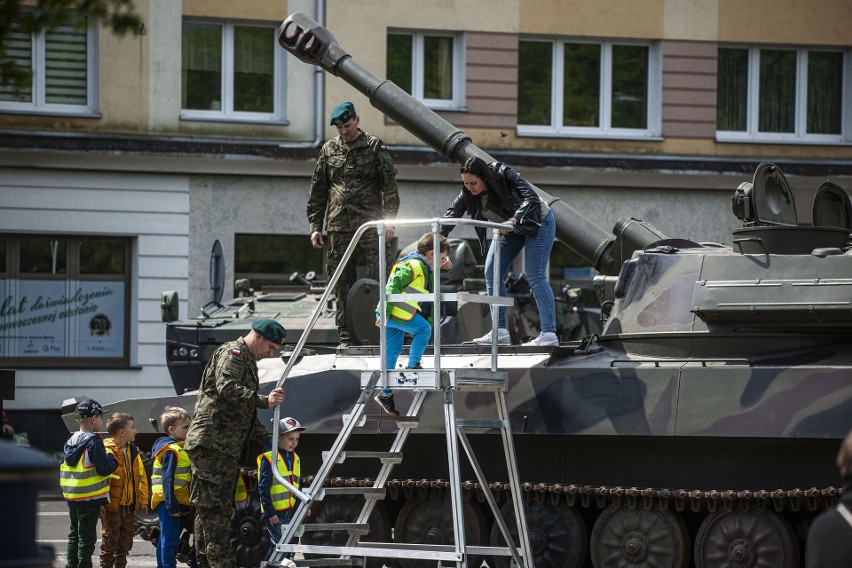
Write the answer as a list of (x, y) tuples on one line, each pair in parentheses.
[(494, 183)]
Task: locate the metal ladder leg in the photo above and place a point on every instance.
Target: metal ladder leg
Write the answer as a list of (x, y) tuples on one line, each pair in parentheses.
[(455, 476)]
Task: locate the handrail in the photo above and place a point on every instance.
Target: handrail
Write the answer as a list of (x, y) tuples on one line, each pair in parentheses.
[(380, 227)]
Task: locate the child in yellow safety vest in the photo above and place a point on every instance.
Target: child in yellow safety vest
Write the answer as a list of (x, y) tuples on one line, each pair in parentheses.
[(128, 492), (412, 274), (170, 483), (277, 504), (84, 478)]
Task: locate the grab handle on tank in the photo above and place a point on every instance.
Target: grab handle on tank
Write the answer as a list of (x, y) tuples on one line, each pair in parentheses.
[(738, 244)]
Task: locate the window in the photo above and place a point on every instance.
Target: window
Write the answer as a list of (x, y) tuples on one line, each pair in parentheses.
[(268, 260), (588, 89), (62, 63), (779, 94), (231, 72), (428, 67), (64, 301)]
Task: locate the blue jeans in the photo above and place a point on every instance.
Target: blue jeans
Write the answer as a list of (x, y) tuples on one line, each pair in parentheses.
[(274, 537), (420, 330), (169, 541), (275, 531), (537, 253)]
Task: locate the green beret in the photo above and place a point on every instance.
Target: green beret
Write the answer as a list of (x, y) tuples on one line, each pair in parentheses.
[(270, 329), (342, 113)]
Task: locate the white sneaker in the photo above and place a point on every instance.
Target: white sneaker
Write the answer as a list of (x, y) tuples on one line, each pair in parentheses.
[(502, 338), (546, 339)]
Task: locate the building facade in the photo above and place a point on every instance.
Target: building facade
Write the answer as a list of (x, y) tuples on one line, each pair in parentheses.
[(130, 156)]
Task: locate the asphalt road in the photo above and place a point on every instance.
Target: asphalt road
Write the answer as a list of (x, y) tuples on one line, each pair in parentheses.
[(52, 531)]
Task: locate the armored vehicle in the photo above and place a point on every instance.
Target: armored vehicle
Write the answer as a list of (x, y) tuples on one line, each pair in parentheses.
[(191, 342), (698, 428)]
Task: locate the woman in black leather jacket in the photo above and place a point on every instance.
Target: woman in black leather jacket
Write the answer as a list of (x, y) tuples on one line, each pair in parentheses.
[(495, 192)]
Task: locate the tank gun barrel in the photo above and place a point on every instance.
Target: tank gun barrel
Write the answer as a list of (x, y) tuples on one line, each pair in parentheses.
[(314, 44)]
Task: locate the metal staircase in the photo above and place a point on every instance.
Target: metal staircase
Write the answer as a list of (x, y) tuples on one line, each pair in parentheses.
[(423, 383)]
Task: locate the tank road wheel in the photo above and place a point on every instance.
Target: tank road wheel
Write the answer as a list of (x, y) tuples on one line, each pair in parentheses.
[(346, 510), (147, 526), (249, 538), (624, 537), (745, 539), (430, 521), (558, 536)]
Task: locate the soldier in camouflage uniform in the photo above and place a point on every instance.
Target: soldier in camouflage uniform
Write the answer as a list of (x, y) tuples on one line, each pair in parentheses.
[(225, 421), (354, 182)]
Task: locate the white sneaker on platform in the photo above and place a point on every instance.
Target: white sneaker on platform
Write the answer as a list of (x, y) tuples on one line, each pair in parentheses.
[(546, 339), (502, 338)]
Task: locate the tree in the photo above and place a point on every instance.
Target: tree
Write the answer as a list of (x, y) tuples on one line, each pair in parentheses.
[(119, 15)]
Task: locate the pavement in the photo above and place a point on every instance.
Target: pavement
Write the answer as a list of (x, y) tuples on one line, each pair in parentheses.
[(52, 532)]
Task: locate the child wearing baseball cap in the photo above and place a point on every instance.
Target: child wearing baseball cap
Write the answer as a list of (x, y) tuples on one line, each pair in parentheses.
[(84, 478), (277, 504)]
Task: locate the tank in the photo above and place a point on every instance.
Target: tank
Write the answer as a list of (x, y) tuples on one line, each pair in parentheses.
[(698, 428), (191, 342)]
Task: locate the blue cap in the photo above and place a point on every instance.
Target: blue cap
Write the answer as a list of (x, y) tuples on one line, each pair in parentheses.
[(270, 329), (342, 113), (88, 408)]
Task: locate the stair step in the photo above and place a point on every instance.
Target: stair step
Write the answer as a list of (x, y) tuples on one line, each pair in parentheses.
[(325, 562), (434, 552), (402, 421), (480, 423), (351, 528), (377, 493), (479, 379), (444, 553), (385, 457)]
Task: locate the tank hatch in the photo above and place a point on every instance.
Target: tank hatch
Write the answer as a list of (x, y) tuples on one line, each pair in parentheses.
[(768, 210), (767, 200), (831, 207)]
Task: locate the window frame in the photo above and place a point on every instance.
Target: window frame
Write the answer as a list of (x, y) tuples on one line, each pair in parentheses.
[(226, 113), (13, 276), (800, 135), (39, 79), (418, 67), (653, 106)]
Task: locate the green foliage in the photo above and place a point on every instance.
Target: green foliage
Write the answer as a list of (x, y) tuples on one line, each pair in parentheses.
[(118, 15)]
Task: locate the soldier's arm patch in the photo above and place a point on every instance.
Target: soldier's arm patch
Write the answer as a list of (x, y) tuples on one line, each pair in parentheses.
[(235, 351), (383, 148)]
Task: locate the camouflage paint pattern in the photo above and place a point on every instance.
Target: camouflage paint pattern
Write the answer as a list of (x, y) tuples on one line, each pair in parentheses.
[(225, 412), (353, 183), (367, 253)]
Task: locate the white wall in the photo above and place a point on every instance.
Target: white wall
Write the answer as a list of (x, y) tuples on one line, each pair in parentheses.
[(152, 209)]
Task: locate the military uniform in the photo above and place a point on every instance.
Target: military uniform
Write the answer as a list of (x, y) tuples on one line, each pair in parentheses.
[(352, 183), (225, 420)]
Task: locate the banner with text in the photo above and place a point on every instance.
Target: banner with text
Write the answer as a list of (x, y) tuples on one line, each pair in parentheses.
[(57, 318)]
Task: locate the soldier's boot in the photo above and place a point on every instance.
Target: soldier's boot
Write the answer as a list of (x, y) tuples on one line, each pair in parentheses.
[(343, 334)]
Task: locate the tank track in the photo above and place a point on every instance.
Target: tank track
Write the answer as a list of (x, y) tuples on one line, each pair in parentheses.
[(696, 500)]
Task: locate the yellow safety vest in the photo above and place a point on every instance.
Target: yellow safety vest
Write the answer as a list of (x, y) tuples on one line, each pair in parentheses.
[(404, 311), (282, 499), (240, 494), (182, 475), (82, 483)]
